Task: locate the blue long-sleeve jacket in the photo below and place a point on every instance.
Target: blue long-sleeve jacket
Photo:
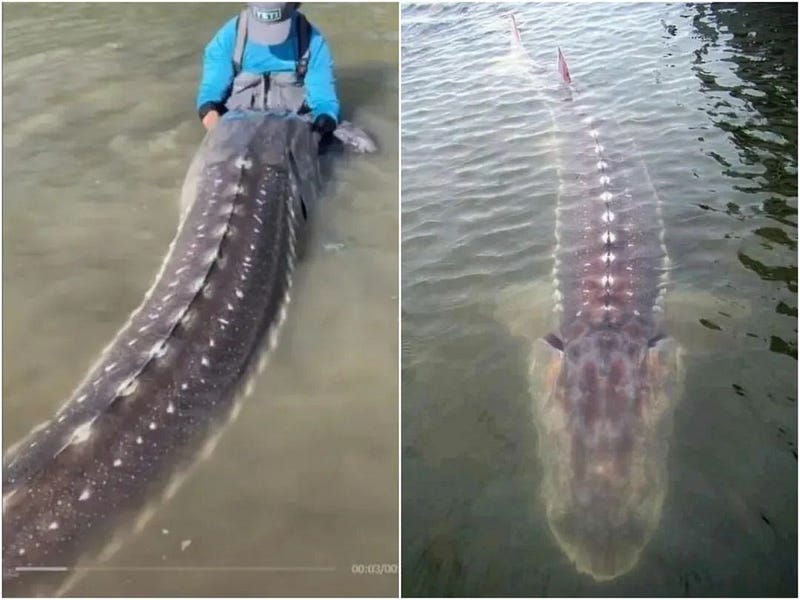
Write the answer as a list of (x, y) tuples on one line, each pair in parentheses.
[(217, 76)]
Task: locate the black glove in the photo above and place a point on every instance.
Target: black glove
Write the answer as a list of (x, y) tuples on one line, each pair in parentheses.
[(324, 124), (207, 107)]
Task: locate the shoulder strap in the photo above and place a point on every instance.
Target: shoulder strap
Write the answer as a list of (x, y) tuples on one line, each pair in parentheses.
[(241, 38), (303, 42)]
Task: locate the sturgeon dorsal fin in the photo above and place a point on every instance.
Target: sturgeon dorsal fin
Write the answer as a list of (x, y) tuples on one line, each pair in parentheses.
[(562, 68), (516, 40)]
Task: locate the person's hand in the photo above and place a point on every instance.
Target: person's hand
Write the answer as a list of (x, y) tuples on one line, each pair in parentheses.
[(324, 124), (210, 119)]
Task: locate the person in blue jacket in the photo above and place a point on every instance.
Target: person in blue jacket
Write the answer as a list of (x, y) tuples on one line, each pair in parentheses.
[(269, 58)]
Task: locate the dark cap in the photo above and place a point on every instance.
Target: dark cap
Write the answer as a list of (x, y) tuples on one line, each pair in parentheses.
[(269, 23)]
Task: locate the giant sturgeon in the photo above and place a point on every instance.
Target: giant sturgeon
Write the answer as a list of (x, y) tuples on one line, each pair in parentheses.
[(156, 399), (604, 372)]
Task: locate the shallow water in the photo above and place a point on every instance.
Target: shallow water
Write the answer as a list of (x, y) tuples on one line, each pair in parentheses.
[(709, 96), (98, 131)]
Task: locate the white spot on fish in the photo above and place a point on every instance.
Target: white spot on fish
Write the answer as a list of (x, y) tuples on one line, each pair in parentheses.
[(594, 133), (185, 544), (53, 525), (608, 237), (184, 386), (273, 337), (607, 280), (146, 515), (62, 418), (637, 313), (602, 165), (230, 306), (110, 550), (204, 361), (608, 216), (85, 494), (21, 551), (257, 218), (110, 367), (237, 408), (144, 328), (127, 388), (172, 489), (81, 399), (239, 293), (167, 297), (236, 189), (159, 350), (170, 408), (187, 318), (152, 425), (211, 342), (605, 179), (223, 321), (139, 439), (81, 433), (606, 196), (208, 449), (117, 462)]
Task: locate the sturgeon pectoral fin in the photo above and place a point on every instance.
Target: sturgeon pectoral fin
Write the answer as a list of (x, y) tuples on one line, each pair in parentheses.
[(527, 310), (699, 320)]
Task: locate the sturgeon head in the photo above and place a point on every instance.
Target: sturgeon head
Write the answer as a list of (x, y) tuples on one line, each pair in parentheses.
[(603, 396)]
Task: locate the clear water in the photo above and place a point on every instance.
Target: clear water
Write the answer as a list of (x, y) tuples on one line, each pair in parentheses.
[(709, 95), (99, 127)]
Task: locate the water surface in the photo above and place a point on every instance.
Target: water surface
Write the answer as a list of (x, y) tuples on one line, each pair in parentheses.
[(709, 95)]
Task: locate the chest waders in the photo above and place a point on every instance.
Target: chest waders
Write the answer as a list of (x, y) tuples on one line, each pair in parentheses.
[(283, 91)]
